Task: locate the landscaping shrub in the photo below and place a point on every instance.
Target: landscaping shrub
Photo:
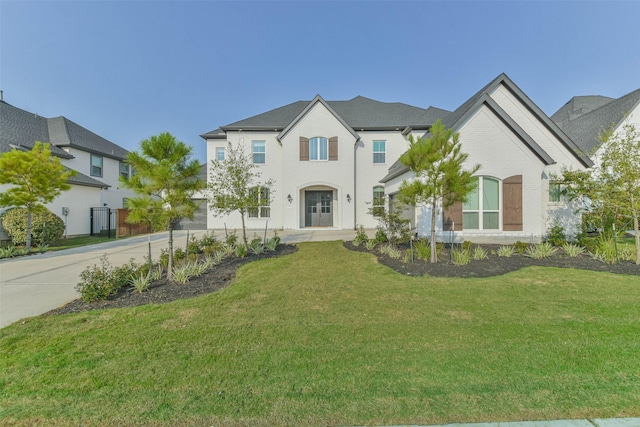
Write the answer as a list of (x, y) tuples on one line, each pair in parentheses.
[(360, 237), (240, 251), (422, 249), (505, 251), (572, 250), (381, 236), (99, 282), (541, 250), (461, 256), (557, 236), (520, 247), (480, 253), (46, 226)]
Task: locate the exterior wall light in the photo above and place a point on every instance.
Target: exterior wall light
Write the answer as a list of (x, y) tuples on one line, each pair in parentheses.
[(348, 198), (289, 198)]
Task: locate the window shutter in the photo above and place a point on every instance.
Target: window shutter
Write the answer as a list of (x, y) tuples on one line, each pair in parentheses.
[(452, 216), (304, 149), (512, 199), (333, 148)]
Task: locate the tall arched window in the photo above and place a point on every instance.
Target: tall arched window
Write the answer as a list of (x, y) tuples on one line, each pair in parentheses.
[(482, 209), (378, 200), (260, 201)]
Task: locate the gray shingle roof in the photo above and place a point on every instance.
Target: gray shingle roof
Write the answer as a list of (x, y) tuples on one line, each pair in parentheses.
[(585, 129), (19, 128), (579, 106), (82, 179), (358, 113), (482, 97)]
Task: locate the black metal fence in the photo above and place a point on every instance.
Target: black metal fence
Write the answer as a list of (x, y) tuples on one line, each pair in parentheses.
[(103, 221)]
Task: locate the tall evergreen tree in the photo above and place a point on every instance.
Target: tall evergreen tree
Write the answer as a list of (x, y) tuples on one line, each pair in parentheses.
[(166, 178), (37, 178), (437, 162)]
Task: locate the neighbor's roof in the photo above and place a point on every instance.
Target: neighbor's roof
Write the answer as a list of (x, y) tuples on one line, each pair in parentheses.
[(21, 128), (359, 113), (585, 129), (579, 106)]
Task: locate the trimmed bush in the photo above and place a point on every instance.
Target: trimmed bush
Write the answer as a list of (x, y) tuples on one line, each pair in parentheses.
[(46, 226)]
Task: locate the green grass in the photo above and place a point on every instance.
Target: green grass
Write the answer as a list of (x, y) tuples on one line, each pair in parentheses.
[(326, 336)]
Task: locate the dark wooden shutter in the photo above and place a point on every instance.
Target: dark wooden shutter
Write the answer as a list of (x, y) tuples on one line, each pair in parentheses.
[(304, 149), (452, 216), (333, 148), (512, 199)]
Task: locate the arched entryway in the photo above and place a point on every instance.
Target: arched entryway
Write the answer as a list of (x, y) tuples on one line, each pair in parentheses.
[(318, 207)]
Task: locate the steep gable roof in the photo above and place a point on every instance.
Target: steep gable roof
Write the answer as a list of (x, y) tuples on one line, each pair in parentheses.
[(585, 129), (317, 100), (482, 98)]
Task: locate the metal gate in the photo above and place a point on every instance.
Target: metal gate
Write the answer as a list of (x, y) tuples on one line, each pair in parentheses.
[(103, 221)]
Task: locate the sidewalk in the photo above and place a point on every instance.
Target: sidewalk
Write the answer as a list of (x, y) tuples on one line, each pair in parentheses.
[(597, 422)]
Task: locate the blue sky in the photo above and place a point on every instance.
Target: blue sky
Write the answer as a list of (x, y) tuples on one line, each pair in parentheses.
[(127, 70)]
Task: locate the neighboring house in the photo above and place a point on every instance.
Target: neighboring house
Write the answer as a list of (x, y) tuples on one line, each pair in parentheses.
[(584, 118), (97, 161), (333, 161), (199, 221)]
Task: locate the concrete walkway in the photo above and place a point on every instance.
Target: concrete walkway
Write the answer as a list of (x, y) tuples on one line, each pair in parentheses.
[(35, 284)]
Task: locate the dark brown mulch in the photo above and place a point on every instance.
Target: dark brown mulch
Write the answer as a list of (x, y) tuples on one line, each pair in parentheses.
[(495, 265), (162, 291)]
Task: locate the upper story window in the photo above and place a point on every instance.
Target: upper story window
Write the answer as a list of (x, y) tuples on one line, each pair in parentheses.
[(220, 154), (378, 200), (124, 170), (318, 148), (96, 165), (482, 208), (555, 191), (259, 152), (379, 151), (261, 200)]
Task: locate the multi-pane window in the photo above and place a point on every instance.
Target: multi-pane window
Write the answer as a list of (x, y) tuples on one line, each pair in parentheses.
[(259, 152), (554, 191), (124, 170), (96, 165), (481, 211), (378, 200), (318, 148), (379, 151), (220, 154), (260, 201)]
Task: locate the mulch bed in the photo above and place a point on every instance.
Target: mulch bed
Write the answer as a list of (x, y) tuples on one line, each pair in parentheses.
[(162, 291), (495, 265), (222, 274)]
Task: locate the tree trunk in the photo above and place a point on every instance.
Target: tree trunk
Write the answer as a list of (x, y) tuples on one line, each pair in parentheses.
[(434, 256), (244, 231), (170, 264), (29, 224), (636, 233)]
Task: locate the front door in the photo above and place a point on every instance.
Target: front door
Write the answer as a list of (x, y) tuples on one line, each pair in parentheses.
[(318, 209)]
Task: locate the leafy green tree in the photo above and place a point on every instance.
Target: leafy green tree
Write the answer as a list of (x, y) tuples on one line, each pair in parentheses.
[(613, 184), (165, 178), (234, 186), (437, 162), (37, 178)]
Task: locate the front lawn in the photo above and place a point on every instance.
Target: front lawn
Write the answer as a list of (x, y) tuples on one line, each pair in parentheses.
[(328, 336)]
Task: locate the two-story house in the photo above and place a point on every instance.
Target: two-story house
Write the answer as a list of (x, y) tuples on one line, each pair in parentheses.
[(333, 161), (97, 161)]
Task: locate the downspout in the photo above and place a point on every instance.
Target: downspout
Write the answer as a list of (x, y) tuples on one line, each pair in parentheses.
[(355, 191)]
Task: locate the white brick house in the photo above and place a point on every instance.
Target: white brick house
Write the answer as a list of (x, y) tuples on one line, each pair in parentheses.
[(332, 159)]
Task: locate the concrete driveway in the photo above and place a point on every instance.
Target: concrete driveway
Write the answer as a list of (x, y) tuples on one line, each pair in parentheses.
[(32, 285)]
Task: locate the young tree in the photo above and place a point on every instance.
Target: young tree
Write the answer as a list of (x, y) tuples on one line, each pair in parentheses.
[(37, 178), (439, 177), (166, 178), (233, 186), (613, 185)]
